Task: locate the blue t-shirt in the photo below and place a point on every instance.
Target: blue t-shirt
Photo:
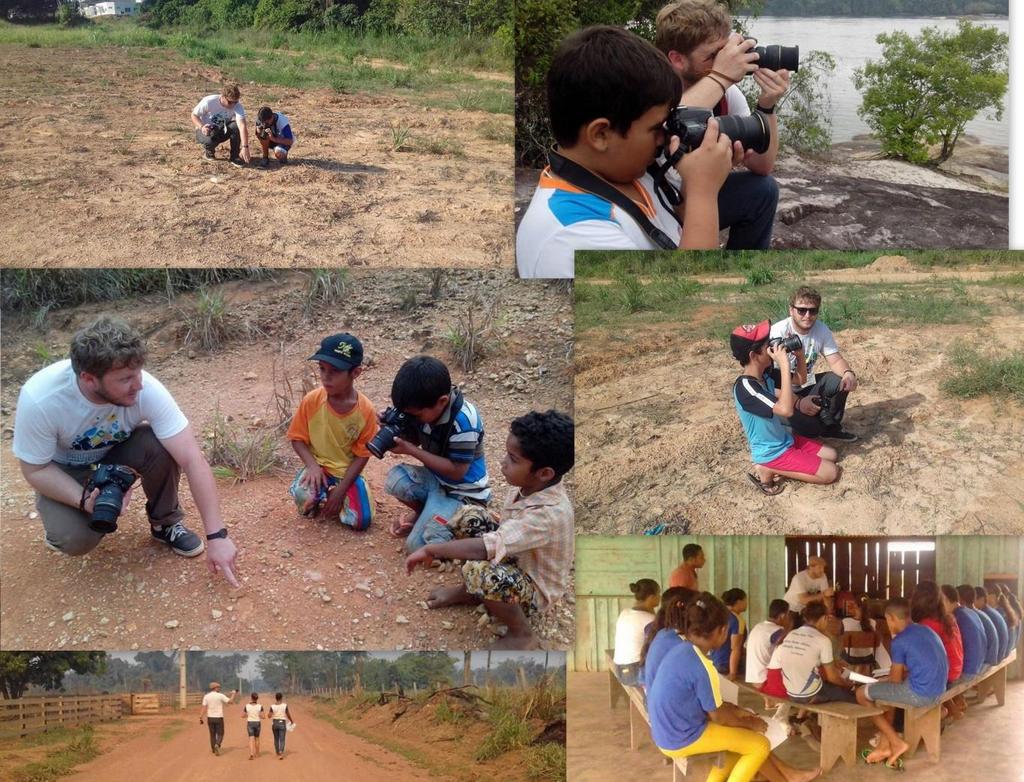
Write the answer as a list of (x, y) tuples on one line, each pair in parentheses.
[(720, 657), (665, 640), (991, 637), (754, 401), (920, 650), (1001, 630), (683, 692), (972, 633)]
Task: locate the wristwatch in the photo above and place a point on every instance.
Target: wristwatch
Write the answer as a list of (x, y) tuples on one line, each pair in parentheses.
[(221, 533)]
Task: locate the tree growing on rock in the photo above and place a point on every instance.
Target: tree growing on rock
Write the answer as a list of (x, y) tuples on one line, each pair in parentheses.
[(925, 89)]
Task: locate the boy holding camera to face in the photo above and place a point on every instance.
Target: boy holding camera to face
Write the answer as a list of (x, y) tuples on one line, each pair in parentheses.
[(520, 565), (609, 94), (274, 131), (330, 432), (764, 396), (444, 432)]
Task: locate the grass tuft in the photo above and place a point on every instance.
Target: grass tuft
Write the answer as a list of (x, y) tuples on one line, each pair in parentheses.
[(546, 762), (61, 761), (239, 454), (978, 375), (473, 335), (210, 323)]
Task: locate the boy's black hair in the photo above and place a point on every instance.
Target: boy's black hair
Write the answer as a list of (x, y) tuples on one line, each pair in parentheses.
[(732, 596), (813, 612), (690, 550), (546, 439), (777, 607), (605, 71), (420, 382), (741, 349), (265, 114)]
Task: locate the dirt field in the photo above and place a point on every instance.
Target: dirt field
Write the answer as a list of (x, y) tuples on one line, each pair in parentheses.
[(101, 168), (173, 746), (659, 440), (306, 584)]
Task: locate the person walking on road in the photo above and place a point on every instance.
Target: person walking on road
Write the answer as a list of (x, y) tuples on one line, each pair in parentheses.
[(280, 718), (213, 711), (253, 713)]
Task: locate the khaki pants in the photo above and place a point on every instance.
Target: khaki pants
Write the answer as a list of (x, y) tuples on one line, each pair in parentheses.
[(67, 528)]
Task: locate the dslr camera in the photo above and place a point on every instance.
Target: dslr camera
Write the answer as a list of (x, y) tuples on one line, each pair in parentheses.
[(790, 344), (690, 124), (113, 480), (775, 58), (392, 423), (263, 130)]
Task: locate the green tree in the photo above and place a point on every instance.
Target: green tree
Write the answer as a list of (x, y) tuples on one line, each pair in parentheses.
[(925, 89), (19, 670)]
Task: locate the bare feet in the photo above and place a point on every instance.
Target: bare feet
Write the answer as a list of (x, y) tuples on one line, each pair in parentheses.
[(445, 596), (894, 756), (518, 641), (309, 507), (400, 528), (877, 755)]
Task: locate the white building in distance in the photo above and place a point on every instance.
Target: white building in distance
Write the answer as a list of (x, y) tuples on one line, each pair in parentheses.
[(113, 8)]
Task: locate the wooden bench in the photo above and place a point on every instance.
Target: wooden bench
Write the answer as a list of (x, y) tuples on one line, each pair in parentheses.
[(639, 722), (838, 723), (924, 723)]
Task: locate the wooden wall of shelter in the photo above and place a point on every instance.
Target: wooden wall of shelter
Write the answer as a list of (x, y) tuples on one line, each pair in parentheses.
[(605, 566)]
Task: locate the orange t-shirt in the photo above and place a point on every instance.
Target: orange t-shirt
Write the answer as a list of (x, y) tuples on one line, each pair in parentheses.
[(334, 438), (683, 576)]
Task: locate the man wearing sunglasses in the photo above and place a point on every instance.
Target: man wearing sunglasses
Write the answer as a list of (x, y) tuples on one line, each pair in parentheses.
[(220, 118), (821, 401)]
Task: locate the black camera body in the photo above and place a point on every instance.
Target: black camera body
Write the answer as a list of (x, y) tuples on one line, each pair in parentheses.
[(392, 423), (263, 130), (775, 58), (790, 344), (113, 480), (690, 124)]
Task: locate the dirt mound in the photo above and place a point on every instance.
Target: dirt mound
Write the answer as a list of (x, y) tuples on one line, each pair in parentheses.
[(112, 176), (891, 263), (307, 584)]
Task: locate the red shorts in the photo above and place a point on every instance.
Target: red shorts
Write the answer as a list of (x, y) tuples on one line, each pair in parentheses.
[(773, 685), (802, 456)]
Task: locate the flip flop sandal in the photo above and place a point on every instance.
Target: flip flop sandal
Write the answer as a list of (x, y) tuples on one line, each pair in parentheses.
[(770, 489), (864, 753)]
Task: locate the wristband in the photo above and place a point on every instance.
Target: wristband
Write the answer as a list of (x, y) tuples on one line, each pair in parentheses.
[(763, 110), (725, 87), (850, 372), (221, 533), (719, 73)]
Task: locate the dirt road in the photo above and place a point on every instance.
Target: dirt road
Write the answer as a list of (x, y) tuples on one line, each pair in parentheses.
[(315, 751), (659, 440), (306, 583), (101, 169)]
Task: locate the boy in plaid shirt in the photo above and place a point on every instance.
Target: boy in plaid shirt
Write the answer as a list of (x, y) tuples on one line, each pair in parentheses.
[(520, 565)]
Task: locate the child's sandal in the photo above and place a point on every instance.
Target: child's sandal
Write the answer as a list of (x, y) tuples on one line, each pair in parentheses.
[(770, 489)]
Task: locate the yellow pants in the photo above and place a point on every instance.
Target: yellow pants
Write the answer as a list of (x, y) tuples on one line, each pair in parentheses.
[(747, 752)]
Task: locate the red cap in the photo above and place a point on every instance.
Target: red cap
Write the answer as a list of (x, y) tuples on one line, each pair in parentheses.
[(753, 331)]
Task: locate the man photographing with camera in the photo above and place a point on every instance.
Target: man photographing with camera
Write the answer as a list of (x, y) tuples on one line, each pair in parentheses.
[(220, 118), (711, 60), (86, 426), (820, 398)]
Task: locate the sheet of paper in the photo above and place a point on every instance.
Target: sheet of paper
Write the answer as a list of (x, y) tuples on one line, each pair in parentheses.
[(861, 678), (729, 689), (778, 732)]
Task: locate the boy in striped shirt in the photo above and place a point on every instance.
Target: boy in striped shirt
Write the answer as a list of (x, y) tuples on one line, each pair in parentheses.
[(446, 435), (520, 565)]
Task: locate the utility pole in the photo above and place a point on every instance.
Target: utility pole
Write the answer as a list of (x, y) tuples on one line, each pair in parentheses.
[(182, 689)]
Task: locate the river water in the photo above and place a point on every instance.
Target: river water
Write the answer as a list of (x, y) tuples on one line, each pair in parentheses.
[(852, 43)]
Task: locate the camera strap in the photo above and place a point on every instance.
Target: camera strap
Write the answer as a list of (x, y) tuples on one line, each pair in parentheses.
[(591, 183)]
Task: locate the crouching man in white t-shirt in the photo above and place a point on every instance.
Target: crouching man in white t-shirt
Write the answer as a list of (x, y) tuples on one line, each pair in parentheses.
[(86, 427)]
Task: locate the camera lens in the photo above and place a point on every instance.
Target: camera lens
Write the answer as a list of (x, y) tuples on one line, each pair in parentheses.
[(751, 131), (383, 441), (106, 509), (775, 58)]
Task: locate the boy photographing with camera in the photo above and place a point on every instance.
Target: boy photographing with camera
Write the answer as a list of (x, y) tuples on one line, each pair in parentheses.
[(764, 396)]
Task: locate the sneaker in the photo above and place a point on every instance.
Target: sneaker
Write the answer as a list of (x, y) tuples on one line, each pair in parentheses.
[(208, 155), (840, 434), (265, 162), (237, 162), (283, 161), (181, 540)]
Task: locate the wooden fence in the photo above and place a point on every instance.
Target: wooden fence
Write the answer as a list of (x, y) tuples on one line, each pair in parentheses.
[(28, 716), (172, 699)]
